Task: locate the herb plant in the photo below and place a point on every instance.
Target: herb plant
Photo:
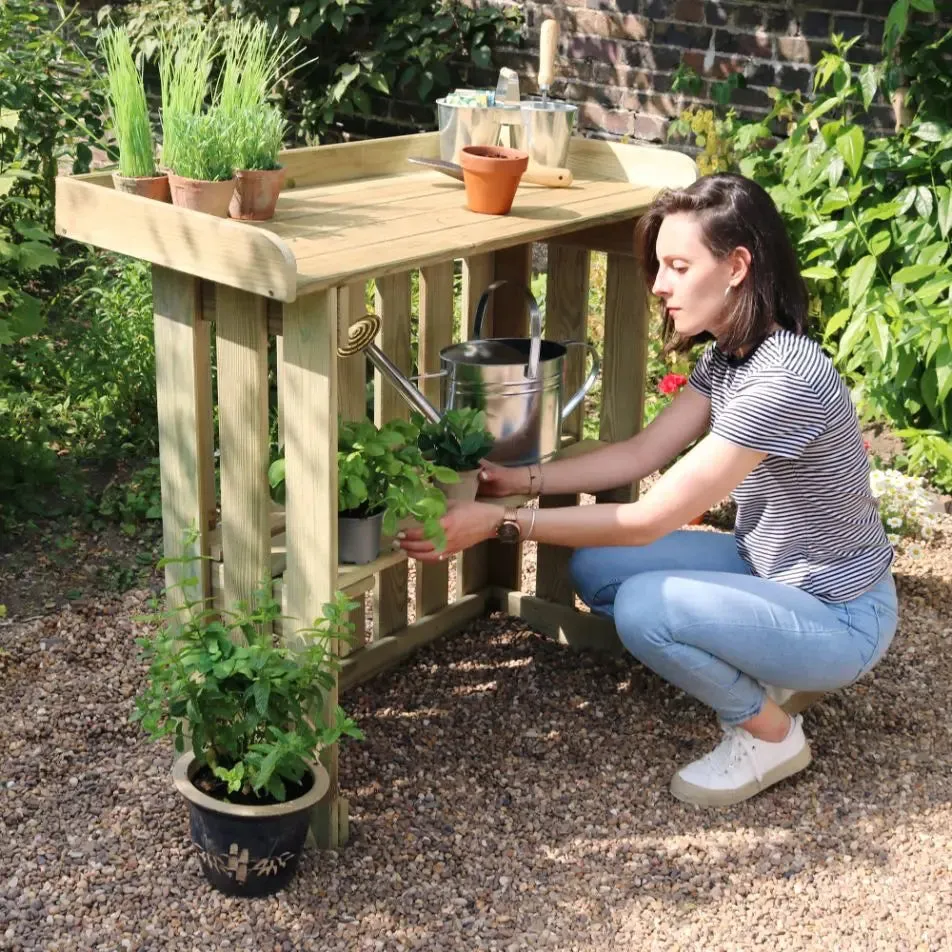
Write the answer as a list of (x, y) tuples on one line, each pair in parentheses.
[(128, 107), (458, 441), (204, 149), (257, 137), (252, 706), (185, 64)]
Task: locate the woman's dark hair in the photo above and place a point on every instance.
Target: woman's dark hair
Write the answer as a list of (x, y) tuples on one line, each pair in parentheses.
[(733, 212)]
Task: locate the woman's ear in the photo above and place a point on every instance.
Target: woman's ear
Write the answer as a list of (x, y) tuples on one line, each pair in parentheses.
[(739, 260)]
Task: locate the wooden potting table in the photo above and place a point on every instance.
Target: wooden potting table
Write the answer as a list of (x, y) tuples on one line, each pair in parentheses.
[(349, 214)]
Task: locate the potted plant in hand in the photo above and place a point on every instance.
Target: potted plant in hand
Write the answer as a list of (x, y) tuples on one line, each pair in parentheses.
[(202, 173), (251, 712), (383, 478), (459, 441), (129, 115)]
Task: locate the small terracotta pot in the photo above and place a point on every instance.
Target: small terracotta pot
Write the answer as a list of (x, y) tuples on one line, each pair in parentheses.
[(491, 175), (256, 193), (155, 187), (212, 198), (463, 491)]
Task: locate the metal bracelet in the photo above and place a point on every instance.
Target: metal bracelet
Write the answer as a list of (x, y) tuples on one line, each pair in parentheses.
[(528, 535)]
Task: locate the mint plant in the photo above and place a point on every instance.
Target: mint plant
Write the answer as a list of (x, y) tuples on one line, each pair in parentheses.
[(458, 441), (252, 705)]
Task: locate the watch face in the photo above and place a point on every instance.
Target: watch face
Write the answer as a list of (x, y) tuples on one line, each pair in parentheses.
[(508, 532)]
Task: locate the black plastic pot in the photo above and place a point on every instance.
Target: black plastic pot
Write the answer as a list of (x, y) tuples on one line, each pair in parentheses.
[(247, 850), (358, 540)]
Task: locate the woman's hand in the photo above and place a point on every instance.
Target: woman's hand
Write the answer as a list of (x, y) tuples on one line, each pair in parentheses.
[(465, 524), (495, 480)]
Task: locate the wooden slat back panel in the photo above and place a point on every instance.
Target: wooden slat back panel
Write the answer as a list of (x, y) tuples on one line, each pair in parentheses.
[(435, 333), (352, 405), (393, 307)]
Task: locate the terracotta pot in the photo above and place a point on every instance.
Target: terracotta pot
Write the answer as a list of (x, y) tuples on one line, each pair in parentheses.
[(155, 187), (212, 198), (491, 175), (463, 491), (256, 193)]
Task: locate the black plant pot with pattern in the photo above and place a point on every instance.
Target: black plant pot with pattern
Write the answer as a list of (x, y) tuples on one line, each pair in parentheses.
[(247, 850)]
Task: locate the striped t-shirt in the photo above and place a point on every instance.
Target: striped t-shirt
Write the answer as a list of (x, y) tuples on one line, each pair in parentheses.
[(805, 515)]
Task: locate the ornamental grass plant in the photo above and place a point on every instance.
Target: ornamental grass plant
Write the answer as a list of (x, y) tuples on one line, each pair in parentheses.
[(185, 64)]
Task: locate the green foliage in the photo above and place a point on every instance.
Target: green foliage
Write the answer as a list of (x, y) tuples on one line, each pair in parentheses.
[(458, 441), (133, 500), (253, 707), (256, 138), (81, 390), (128, 109), (44, 76), (204, 145), (352, 50)]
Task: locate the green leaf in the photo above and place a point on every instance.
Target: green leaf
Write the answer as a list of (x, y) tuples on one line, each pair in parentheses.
[(943, 370), (37, 254), (913, 273), (851, 145), (262, 695), (868, 83), (880, 241), (852, 334), (819, 272), (879, 333), (860, 278), (944, 193), (837, 321), (927, 131), (924, 201), (482, 56)]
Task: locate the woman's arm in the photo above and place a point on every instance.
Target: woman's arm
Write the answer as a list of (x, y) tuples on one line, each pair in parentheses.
[(699, 480), (675, 428)]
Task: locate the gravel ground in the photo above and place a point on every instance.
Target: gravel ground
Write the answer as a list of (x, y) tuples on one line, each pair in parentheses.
[(510, 795)]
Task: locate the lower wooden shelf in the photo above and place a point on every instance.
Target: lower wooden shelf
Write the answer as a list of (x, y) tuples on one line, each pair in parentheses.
[(355, 579)]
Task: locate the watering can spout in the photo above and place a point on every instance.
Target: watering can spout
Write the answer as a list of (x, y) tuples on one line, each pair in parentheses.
[(360, 337)]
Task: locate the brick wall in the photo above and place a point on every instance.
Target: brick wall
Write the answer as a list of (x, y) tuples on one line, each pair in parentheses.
[(617, 57)]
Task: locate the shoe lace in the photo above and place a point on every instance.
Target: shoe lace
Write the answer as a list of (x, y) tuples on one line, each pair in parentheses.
[(736, 746)]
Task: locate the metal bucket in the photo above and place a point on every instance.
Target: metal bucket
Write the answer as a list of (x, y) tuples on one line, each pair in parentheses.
[(518, 382), (461, 126), (544, 131)]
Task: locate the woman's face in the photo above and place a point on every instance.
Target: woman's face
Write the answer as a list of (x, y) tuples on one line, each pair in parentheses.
[(694, 285)]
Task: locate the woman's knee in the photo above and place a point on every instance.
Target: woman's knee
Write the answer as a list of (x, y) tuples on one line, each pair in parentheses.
[(641, 618)]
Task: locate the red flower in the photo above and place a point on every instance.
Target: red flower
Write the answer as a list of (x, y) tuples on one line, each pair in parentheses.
[(866, 445), (671, 383)]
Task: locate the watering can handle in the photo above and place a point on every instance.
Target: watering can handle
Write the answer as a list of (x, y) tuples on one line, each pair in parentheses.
[(535, 325), (576, 397)]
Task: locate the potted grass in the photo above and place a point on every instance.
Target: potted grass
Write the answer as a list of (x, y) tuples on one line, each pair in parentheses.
[(185, 64), (259, 178), (255, 58), (247, 713), (458, 441), (202, 173), (129, 118)]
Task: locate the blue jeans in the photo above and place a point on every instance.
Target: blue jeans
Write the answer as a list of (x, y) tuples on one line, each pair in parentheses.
[(689, 608)]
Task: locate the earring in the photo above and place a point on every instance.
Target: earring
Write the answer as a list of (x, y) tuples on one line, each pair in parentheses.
[(727, 290)]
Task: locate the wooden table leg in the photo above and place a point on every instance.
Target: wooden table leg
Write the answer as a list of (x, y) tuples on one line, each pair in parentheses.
[(242, 349), (624, 364), (186, 438), (310, 580), (566, 318), (510, 319)]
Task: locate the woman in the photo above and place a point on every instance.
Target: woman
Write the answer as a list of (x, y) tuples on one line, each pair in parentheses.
[(801, 597)]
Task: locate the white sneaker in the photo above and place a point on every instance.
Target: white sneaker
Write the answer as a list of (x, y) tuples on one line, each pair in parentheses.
[(741, 766)]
